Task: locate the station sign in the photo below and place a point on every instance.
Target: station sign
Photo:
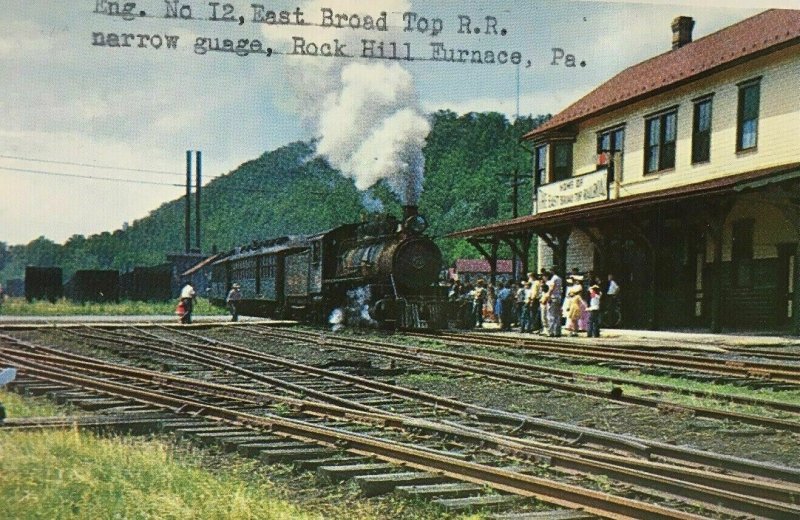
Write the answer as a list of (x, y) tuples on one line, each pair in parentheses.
[(583, 189)]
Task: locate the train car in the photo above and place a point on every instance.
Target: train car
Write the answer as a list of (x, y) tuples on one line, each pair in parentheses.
[(259, 270), (153, 283), (383, 272), (94, 285), (43, 283)]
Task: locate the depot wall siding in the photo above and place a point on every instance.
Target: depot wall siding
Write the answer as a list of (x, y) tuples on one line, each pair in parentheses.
[(778, 127), (770, 228)]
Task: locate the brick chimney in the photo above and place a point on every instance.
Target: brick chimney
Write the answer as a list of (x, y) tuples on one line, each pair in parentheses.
[(682, 31)]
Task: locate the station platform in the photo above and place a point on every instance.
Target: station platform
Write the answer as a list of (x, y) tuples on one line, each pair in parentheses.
[(668, 338)]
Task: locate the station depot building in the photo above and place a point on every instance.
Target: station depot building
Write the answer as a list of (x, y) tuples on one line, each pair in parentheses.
[(681, 176)]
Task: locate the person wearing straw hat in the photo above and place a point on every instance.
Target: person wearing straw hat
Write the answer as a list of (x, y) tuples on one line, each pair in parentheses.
[(575, 308), (594, 311), (233, 301)]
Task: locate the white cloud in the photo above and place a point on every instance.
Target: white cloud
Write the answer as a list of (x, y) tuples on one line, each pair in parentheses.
[(63, 99), (534, 103)]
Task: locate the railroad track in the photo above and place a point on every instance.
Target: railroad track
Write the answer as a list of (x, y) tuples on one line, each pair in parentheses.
[(688, 482), (527, 374), (782, 373)]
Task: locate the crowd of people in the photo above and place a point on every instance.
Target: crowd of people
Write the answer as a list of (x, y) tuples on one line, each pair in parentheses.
[(541, 304)]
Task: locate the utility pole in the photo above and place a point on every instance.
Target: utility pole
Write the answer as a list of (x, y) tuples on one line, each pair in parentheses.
[(198, 183), (188, 208), (516, 182)]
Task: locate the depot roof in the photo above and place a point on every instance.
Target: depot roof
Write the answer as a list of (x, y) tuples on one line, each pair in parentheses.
[(766, 32), (609, 208)]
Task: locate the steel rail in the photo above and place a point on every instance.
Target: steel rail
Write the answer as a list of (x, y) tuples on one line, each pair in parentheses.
[(437, 358), (753, 503), (485, 414), (198, 357), (646, 448), (738, 399), (685, 455), (736, 494), (564, 495), (782, 373)]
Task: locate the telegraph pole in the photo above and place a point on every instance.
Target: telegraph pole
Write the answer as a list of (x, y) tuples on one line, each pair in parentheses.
[(516, 182), (188, 208), (198, 184)]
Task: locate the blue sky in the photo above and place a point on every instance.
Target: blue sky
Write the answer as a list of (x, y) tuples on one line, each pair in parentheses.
[(64, 100)]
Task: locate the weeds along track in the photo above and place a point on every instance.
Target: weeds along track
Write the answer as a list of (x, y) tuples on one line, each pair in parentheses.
[(352, 416), (527, 373), (731, 366)]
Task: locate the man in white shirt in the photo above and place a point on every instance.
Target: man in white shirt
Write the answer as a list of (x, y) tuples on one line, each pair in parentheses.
[(613, 293), (233, 301), (187, 297), (613, 288)]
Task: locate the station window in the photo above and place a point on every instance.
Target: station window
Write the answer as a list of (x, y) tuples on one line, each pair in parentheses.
[(660, 136), (747, 120), (562, 160), (611, 140), (701, 131), (540, 165)]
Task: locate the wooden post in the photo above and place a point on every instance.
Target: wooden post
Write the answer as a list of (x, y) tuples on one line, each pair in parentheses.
[(655, 253), (717, 232), (490, 257), (521, 246), (645, 237), (525, 243)]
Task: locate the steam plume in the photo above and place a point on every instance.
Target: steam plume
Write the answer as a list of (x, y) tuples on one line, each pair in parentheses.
[(366, 114)]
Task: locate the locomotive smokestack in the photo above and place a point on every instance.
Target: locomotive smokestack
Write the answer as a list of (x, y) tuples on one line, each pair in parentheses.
[(409, 211)]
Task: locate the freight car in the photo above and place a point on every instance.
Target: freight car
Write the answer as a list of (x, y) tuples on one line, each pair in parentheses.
[(149, 284), (383, 272), (94, 285), (43, 283)]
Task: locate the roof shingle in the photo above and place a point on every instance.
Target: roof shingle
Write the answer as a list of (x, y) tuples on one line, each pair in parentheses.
[(727, 47)]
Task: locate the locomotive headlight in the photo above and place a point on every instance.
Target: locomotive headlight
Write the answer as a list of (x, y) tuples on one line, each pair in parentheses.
[(416, 224)]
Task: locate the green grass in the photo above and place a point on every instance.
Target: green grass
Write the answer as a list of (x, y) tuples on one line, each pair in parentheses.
[(70, 475), (64, 307), (17, 406)]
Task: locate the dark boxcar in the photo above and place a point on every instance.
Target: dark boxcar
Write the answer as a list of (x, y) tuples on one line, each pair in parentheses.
[(101, 285), (148, 283), (43, 283)]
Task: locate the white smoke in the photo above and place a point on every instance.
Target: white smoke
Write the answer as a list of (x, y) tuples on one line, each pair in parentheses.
[(355, 311), (366, 113), (336, 319)]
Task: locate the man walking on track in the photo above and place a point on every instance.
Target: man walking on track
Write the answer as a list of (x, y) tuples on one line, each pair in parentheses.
[(187, 299), (233, 301)]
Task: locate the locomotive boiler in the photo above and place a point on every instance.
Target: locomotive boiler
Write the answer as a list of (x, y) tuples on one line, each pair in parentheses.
[(383, 272)]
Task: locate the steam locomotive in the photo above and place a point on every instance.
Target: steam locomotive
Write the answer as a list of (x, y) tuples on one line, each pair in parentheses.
[(383, 271)]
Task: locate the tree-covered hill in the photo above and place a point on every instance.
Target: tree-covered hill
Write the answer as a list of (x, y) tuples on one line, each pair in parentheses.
[(291, 191)]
